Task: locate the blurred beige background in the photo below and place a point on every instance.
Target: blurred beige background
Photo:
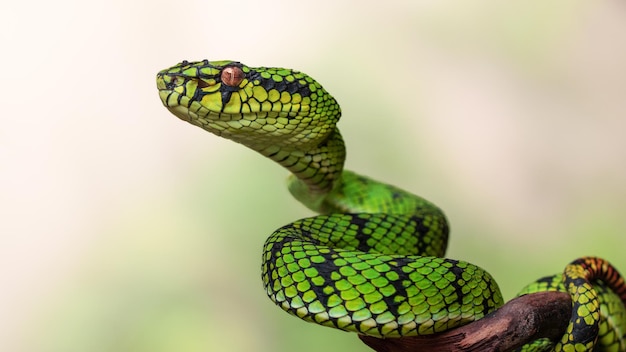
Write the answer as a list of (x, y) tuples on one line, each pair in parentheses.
[(125, 229)]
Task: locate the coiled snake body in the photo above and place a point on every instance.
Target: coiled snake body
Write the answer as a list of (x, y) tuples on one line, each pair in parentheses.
[(373, 262)]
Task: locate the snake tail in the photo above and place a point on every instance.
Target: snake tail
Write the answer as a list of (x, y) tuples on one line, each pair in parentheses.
[(579, 276), (598, 320)]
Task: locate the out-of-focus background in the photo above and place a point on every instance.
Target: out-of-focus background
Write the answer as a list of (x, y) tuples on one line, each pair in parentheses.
[(124, 229)]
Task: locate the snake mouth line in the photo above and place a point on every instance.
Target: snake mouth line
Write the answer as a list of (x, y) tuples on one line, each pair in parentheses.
[(190, 110), (171, 100), (217, 123)]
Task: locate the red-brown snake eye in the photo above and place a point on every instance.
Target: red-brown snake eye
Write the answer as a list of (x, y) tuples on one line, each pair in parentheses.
[(232, 76)]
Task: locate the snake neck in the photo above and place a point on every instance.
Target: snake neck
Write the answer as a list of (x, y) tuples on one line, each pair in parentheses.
[(316, 172)]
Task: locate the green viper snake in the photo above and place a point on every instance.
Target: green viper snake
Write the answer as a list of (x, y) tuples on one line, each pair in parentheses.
[(372, 262)]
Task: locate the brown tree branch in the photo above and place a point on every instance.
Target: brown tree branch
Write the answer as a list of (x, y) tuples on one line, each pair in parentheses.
[(521, 320)]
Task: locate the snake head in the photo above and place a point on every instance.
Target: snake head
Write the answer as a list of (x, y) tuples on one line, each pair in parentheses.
[(258, 107)]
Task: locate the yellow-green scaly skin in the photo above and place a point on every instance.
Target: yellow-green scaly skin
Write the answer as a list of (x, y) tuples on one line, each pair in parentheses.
[(371, 263), (598, 320)]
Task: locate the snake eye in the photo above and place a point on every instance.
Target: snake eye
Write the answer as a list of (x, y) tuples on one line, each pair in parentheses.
[(232, 76)]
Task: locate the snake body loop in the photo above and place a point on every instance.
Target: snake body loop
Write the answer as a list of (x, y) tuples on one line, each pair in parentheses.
[(372, 263)]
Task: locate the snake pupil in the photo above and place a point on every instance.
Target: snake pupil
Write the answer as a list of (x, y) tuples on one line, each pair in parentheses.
[(232, 76)]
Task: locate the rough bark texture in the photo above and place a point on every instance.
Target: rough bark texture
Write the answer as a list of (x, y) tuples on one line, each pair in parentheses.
[(521, 320)]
